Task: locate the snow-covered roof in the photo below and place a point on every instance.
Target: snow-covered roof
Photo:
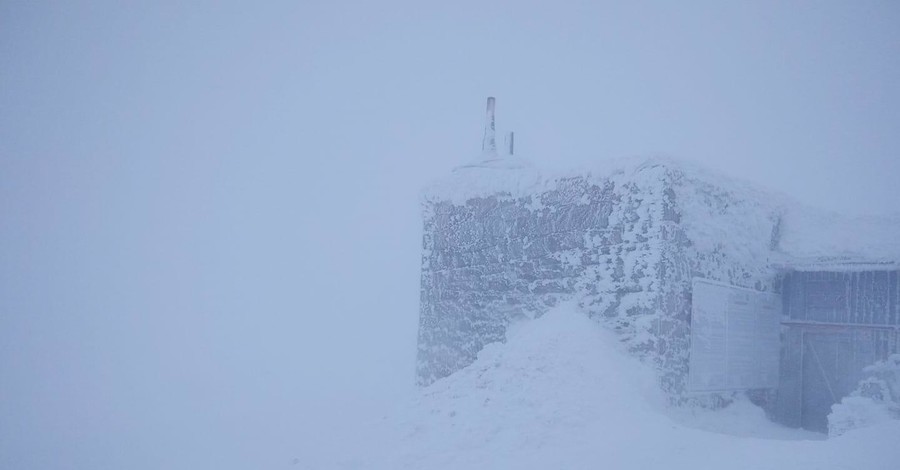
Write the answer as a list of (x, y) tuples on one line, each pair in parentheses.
[(488, 175), (808, 238), (815, 239)]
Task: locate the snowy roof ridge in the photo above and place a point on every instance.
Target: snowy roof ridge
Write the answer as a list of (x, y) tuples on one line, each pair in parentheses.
[(490, 175), (807, 236), (514, 176)]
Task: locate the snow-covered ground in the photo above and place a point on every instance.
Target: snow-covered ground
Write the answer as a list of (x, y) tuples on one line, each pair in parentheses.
[(561, 394)]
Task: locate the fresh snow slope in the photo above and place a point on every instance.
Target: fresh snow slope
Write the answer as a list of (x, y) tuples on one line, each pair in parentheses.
[(560, 394)]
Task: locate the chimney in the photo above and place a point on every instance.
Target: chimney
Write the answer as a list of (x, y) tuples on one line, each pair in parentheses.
[(489, 144)]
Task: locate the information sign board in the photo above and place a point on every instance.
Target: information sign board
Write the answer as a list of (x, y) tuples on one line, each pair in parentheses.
[(735, 341)]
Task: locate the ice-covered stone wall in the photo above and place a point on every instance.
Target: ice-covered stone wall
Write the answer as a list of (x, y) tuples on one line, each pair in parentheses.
[(624, 244)]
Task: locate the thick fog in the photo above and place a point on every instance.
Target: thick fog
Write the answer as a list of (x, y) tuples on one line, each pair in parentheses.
[(209, 212)]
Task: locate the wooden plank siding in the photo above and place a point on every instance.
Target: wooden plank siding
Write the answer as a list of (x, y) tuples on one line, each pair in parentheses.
[(851, 298), (861, 309)]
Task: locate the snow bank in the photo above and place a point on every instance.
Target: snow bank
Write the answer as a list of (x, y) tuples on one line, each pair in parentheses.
[(740, 418), (560, 393), (875, 401)]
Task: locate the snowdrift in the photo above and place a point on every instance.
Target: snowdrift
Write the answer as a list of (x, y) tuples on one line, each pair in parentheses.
[(560, 392)]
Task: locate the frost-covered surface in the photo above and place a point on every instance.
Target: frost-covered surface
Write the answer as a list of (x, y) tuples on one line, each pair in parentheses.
[(489, 175), (561, 392), (875, 401), (858, 412), (625, 243), (502, 242), (818, 239)]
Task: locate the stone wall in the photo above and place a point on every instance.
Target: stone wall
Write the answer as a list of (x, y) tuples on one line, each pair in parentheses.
[(625, 246)]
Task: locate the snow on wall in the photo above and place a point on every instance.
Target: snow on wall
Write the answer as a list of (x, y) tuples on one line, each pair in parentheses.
[(500, 242)]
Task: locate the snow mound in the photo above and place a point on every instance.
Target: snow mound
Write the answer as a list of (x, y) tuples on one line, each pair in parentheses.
[(876, 399), (560, 393), (562, 368)]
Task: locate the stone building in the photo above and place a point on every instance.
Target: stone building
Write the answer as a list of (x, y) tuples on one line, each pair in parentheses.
[(719, 285)]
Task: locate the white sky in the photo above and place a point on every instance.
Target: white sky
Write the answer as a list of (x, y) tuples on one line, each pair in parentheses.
[(209, 225)]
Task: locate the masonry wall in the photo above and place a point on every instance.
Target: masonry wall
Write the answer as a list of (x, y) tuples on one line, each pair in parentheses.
[(625, 247)]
